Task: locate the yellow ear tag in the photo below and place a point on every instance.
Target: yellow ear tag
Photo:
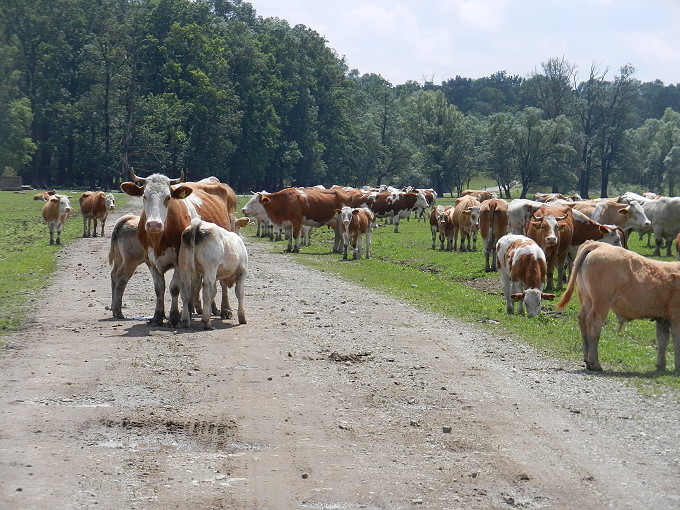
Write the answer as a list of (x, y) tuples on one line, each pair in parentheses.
[(182, 194)]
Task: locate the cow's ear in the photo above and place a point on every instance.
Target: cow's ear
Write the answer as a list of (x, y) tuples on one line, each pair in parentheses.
[(518, 296), (549, 297), (264, 200), (466, 211), (355, 212), (624, 210), (336, 212), (132, 189), (604, 230), (181, 192)]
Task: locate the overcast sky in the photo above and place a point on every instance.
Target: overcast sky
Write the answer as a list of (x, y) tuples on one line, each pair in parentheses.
[(438, 39)]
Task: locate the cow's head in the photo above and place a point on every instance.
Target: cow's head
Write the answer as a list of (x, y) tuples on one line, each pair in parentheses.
[(157, 190), (255, 208), (110, 201), (532, 300), (546, 228), (636, 217), (421, 200), (472, 213)]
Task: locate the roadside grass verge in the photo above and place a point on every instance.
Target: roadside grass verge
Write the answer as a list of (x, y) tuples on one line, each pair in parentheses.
[(454, 284), (27, 260)]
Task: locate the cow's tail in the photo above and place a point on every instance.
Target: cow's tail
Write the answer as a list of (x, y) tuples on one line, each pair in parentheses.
[(583, 251), (115, 234), (189, 241)]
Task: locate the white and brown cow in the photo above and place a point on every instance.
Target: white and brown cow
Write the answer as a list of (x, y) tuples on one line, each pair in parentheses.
[(395, 205), (436, 228), (45, 195), (519, 214), (55, 212), (126, 253), (208, 254), (633, 287), (291, 208), (493, 224), (608, 212), (355, 222), (466, 222), (480, 194), (169, 207), (522, 267), (95, 206)]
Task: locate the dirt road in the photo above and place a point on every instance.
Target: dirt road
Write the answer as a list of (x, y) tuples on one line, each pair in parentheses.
[(331, 397)]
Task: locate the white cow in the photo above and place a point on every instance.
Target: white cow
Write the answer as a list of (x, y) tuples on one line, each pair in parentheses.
[(519, 214), (211, 253)]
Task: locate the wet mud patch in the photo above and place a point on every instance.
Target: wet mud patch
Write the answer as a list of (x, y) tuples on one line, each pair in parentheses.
[(488, 285)]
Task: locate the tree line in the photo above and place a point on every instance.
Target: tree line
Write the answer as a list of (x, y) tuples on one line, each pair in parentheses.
[(90, 87)]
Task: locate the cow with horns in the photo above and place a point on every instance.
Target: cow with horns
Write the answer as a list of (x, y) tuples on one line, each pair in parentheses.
[(169, 207)]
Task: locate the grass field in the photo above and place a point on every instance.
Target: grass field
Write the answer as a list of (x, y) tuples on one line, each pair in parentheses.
[(26, 258), (452, 283)]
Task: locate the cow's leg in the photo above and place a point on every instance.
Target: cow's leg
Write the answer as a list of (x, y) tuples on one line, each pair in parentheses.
[(337, 241), (368, 243), (507, 290), (102, 231), (518, 288), (675, 332), (434, 239), (186, 290), (59, 227), (357, 246), (225, 308), (669, 245), (474, 241), (174, 300), (663, 330), (591, 322), (119, 280), (658, 241), (94, 227), (240, 296), (85, 233), (51, 235), (209, 292), (396, 218), (159, 288)]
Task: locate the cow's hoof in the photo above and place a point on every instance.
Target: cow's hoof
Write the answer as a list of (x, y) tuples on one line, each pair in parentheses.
[(208, 326), (226, 314), (242, 319)]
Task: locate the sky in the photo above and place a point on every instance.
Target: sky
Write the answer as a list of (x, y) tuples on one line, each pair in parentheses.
[(435, 40)]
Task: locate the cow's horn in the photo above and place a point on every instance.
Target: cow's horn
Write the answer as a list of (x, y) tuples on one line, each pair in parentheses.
[(179, 179), (138, 180), (537, 218)]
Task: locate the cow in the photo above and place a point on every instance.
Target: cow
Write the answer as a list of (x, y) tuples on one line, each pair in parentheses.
[(664, 213), (95, 205), (211, 253), (552, 227), (633, 287), (126, 253), (446, 226), (395, 205), (466, 222), (430, 196), (434, 223), (169, 207), (45, 195), (677, 247), (522, 267), (480, 194), (493, 224), (355, 223), (549, 197), (519, 214), (55, 212), (291, 208), (627, 216), (586, 229)]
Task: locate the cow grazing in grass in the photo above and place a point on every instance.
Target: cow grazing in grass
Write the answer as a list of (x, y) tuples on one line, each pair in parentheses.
[(552, 227), (55, 212), (493, 224), (522, 267), (630, 285), (126, 253), (95, 206), (169, 207), (355, 223), (466, 222), (210, 253)]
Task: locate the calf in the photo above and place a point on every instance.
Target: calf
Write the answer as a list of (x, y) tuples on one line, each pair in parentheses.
[(95, 206), (633, 287), (522, 267), (445, 226), (55, 212), (493, 224), (210, 253), (466, 221), (126, 253), (354, 223), (434, 223), (552, 227)]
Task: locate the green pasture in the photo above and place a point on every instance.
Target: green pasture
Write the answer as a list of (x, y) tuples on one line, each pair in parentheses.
[(454, 284), (26, 258)]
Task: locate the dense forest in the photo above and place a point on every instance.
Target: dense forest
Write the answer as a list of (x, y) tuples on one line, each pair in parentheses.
[(88, 87)]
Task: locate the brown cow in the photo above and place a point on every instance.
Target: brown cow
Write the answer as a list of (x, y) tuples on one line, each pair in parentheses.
[(291, 208), (55, 212), (493, 224), (466, 222), (434, 223), (445, 226), (168, 210), (45, 195), (633, 287), (522, 267), (354, 223), (552, 227), (95, 206), (126, 253), (480, 194)]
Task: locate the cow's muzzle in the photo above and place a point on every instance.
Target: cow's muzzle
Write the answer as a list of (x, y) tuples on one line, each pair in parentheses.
[(154, 227)]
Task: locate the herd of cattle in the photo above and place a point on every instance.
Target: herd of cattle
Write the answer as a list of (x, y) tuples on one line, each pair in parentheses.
[(192, 228)]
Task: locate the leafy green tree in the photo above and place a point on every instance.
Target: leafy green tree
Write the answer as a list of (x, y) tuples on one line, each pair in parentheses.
[(500, 157)]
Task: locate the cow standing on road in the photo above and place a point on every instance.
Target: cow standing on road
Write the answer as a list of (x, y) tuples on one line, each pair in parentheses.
[(126, 253), (95, 206), (55, 212)]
